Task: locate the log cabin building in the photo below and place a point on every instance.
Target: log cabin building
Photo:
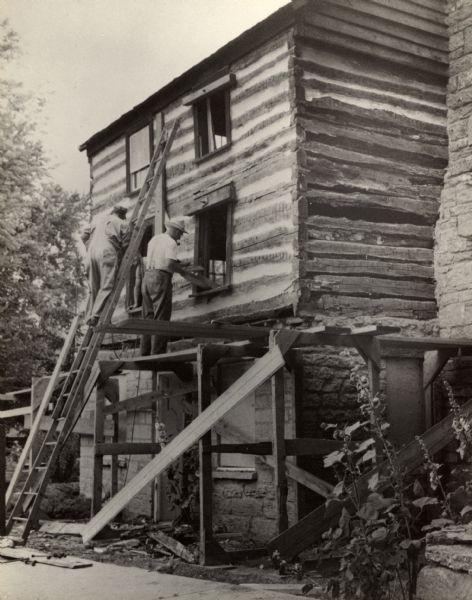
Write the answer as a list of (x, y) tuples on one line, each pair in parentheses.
[(309, 164)]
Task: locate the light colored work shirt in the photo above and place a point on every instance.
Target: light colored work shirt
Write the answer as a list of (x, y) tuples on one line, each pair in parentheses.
[(109, 231), (161, 251)]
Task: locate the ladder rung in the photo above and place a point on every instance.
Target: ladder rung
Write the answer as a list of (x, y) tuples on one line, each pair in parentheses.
[(30, 493), (51, 443), (20, 518), (40, 468)]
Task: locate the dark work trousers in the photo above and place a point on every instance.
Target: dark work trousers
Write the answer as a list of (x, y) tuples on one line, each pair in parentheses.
[(157, 304)]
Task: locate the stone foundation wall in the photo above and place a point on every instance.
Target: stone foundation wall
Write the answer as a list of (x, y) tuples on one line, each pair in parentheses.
[(453, 248)]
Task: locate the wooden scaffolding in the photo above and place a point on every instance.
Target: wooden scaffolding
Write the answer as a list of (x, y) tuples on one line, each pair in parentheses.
[(418, 360)]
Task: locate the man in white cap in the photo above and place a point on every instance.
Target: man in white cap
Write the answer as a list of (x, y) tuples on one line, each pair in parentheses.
[(157, 282), (105, 242)]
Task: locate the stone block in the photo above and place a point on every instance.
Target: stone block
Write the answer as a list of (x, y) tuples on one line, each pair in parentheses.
[(457, 557), (438, 583)]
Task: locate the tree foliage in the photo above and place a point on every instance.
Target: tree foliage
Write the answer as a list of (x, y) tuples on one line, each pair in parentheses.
[(40, 267)]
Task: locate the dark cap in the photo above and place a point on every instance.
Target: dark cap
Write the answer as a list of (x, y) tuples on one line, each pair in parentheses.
[(119, 210)]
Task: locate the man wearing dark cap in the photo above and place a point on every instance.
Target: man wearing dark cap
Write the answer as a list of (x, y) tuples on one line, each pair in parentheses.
[(157, 282), (105, 243)]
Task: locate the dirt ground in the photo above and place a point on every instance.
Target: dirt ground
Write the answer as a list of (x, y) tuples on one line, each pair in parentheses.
[(254, 570)]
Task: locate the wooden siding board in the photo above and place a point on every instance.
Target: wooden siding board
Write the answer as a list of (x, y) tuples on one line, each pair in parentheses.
[(374, 18), (363, 141), (422, 22), (340, 74), (394, 270), (336, 37), (399, 209), (351, 248), (330, 108)]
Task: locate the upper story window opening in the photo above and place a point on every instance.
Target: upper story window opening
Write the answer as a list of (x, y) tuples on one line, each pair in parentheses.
[(212, 115), (139, 156), (212, 123)]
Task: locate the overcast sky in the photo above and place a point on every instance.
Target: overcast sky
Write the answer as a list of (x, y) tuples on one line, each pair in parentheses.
[(92, 60)]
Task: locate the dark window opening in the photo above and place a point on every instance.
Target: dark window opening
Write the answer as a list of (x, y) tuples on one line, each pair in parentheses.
[(139, 157), (212, 123), (134, 298), (213, 250)]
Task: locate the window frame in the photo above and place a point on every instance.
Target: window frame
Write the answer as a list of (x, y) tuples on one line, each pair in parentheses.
[(149, 123), (224, 196), (204, 93)]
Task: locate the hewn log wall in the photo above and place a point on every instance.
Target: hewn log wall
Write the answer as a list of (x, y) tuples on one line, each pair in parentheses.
[(373, 148), (260, 163)]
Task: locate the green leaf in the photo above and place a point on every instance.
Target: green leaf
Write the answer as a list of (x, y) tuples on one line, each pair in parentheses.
[(369, 455), (368, 512), (334, 458), (379, 502), (373, 481), (418, 490), (380, 534), (350, 429), (365, 444), (466, 510), (424, 501)]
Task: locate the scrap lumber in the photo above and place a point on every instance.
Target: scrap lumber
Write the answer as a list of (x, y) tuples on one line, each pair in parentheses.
[(173, 545), (260, 372), (15, 412), (309, 529), (31, 556), (60, 528)]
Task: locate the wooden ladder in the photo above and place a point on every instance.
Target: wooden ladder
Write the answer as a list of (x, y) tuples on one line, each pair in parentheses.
[(82, 376)]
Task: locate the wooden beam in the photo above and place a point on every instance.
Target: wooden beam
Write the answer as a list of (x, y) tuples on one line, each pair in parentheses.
[(138, 402), (114, 458), (178, 329), (372, 330), (434, 362), (205, 461), (293, 447), (278, 450), (426, 343), (259, 373), (3, 456), (117, 448), (99, 438), (368, 348), (308, 480), (146, 400), (309, 529), (15, 412), (405, 398)]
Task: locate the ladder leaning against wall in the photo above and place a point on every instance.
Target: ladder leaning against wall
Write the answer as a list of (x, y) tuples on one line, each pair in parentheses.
[(82, 377)]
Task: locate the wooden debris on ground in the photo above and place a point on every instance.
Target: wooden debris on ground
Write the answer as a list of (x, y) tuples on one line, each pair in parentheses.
[(31, 556), (173, 545), (60, 528)]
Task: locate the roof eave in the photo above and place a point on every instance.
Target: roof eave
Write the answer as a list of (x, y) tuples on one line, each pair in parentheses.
[(254, 37)]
